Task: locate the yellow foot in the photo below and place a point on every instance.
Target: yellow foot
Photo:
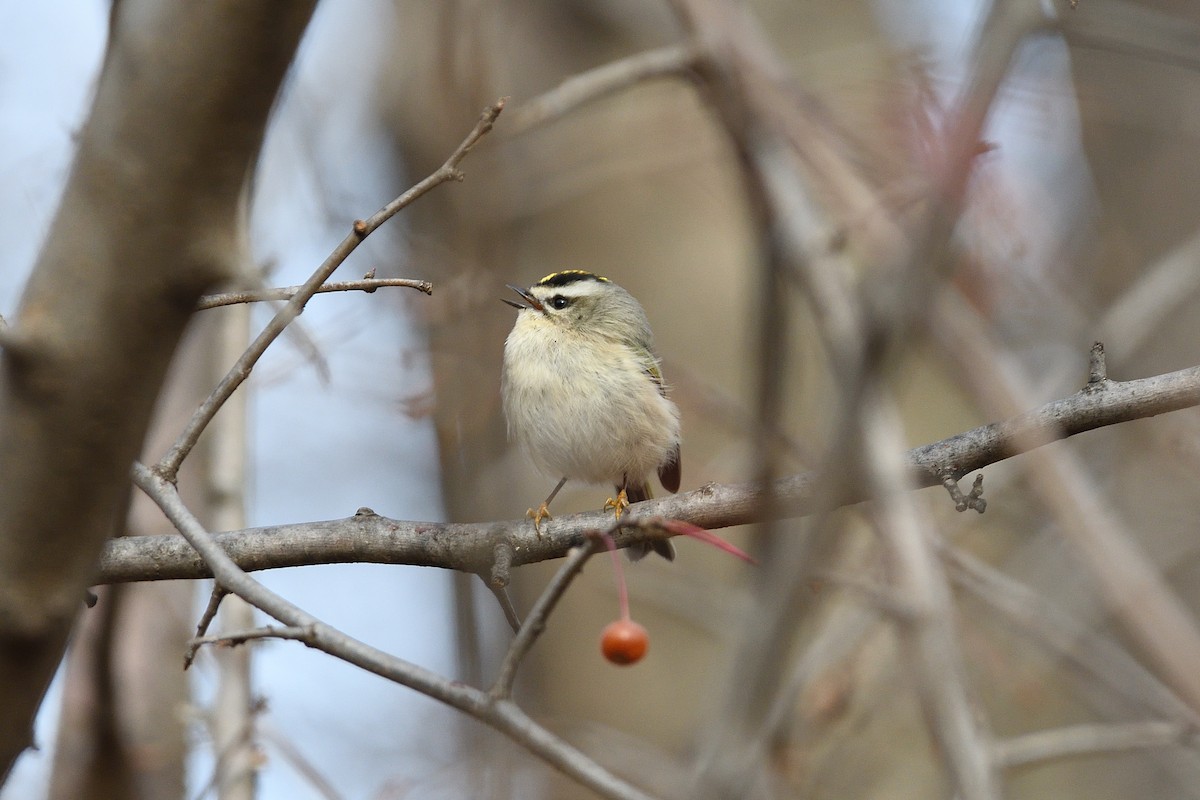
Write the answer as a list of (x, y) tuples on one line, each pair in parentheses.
[(617, 506), (537, 515)]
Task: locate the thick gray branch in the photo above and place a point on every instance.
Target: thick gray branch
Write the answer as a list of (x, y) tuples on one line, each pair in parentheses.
[(150, 218), (367, 537)]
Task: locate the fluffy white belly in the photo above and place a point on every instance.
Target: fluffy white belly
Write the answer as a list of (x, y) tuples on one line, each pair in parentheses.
[(596, 424)]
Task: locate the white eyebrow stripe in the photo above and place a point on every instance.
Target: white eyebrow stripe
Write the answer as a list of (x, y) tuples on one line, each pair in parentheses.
[(571, 290)]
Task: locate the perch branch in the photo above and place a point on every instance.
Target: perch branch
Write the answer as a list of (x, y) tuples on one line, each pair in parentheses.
[(1130, 583), (471, 546), (503, 715)]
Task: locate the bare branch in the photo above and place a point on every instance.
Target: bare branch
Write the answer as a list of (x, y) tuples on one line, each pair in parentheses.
[(288, 292), (929, 632), (235, 638), (503, 715), (169, 465), (587, 87), (535, 623), (470, 547), (1090, 740), (210, 613), (1129, 582), (150, 218)]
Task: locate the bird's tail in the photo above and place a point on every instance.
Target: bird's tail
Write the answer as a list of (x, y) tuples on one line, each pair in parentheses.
[(636, 493)]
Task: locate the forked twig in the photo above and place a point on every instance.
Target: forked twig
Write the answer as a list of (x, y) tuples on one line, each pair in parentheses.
[(288, 292), (169, 465), (501, 714), (535, 622)]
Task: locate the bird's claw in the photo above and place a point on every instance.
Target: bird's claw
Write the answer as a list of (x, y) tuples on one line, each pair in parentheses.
[(618, 505), (537, 515)]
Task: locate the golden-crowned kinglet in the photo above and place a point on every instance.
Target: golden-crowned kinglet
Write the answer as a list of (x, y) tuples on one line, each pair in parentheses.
[(583, 393)]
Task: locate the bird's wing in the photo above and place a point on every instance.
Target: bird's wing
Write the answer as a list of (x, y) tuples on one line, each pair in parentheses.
[(651, 368), (670, 472)]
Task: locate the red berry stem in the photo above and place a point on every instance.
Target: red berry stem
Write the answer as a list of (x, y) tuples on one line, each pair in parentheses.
[(619, 572)]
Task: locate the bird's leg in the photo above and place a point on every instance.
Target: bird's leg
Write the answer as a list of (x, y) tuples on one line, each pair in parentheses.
[(619, 504), (543, 511)]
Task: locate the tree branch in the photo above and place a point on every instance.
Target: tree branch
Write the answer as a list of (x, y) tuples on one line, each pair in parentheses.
[(535, 623), (368, 537), (361, 229), (501, 714), (288, 292), (605, 80), (928, 634), (151, 217), (1130, 583), (1090, 740)]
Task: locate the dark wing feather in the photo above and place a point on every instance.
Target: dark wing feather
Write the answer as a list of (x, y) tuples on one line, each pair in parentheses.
[(670, 472)]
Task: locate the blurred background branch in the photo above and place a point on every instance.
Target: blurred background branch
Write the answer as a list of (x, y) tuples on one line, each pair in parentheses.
[(855, 227)]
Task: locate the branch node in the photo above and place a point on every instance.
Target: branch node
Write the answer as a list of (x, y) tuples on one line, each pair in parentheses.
[(360, 228), (214, 603), (502, 555), (962, 502), (1097, 369)]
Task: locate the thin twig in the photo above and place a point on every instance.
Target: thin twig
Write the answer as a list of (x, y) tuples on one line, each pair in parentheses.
[(210, 613), (288, 292), (587, 87), (1097, 367), (971, 500), (1075, 741), (169, 465), (506, 605), (503, 715), (535, 622), (235, 638)]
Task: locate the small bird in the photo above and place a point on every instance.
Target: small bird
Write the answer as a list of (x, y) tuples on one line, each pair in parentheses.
[(584, 395)]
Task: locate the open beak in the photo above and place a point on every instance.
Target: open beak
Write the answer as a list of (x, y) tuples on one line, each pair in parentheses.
[(532, 301)]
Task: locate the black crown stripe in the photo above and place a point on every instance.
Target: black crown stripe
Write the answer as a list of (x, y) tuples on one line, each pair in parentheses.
[(567, 276)]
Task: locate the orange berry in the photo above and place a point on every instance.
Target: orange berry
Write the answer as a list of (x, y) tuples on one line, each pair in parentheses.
[(624, 642)]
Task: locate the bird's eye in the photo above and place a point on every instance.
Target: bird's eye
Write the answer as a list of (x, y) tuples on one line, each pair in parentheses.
[(559, 302)]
